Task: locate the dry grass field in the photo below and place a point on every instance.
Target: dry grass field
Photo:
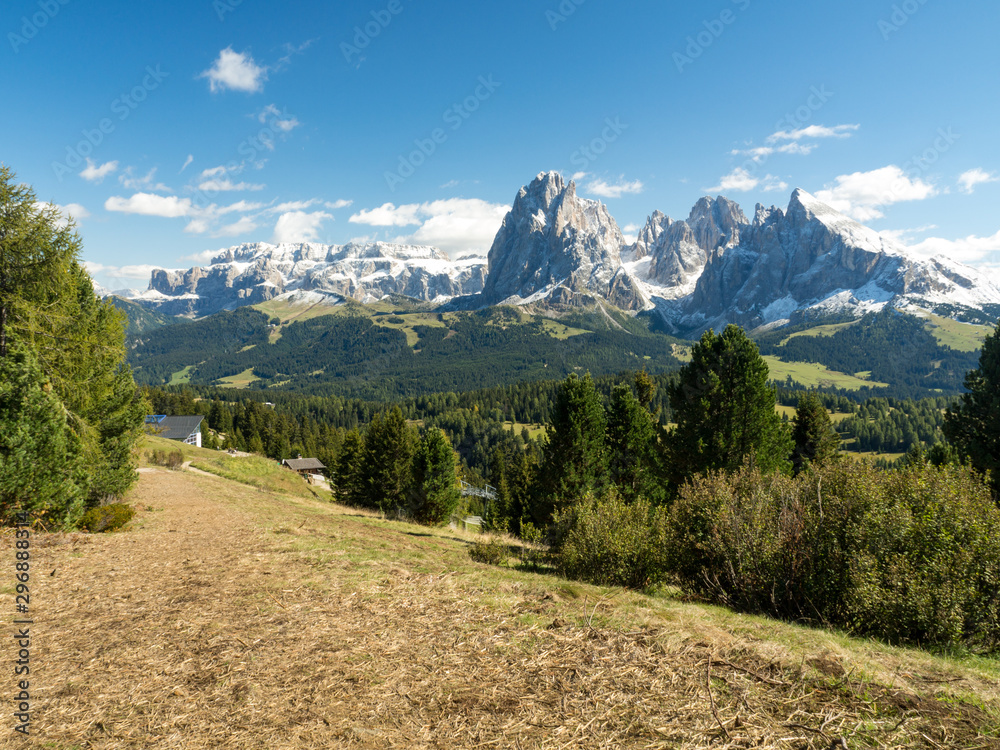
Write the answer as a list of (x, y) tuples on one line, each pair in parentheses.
[(229, 616)]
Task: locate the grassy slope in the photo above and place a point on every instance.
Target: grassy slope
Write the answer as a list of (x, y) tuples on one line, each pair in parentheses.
[(437, 649), (810, 374)]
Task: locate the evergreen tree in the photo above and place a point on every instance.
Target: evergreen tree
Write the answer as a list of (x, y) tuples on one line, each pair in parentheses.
[(387, 462), (346, 473), (816, 442), (973, 425), (575, 460), (435, 484), (42, 468), (724, 410), (633, 447), (48, 306)]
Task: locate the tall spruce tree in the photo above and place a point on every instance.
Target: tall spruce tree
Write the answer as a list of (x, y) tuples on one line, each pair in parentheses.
[(724, 410), (633, 448), (816, 442), (973, 425), (575, 459), (435, 483), (48, 307), (42, 469), (386, 470)]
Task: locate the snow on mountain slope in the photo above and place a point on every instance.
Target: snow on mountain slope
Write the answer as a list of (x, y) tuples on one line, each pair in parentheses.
[(256, 272)]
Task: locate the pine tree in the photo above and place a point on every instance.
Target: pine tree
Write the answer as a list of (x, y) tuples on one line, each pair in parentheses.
[(387, 462), (724, 410), (973, 425), (575, 461), (48, 307), (816, 442), (435, 483), (346, 476), (633, 447), (42, 467)]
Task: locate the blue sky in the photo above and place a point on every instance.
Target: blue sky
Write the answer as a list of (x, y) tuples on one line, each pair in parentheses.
[(171, 130)]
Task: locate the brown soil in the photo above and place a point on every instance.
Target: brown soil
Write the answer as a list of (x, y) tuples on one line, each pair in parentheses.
[(209, 626)]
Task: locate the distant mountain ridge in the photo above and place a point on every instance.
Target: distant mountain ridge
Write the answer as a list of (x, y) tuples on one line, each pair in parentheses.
[(559, 251)]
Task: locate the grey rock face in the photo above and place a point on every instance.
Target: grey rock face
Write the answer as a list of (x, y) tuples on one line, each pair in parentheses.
[(252, 273), (553, 240)]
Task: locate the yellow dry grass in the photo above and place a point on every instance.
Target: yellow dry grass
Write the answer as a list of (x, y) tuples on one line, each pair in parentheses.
[(230, 617)]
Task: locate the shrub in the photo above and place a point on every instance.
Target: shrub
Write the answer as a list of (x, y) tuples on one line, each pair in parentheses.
[(610, 542), (107, 518), (909, 556), (491, 552), (171, 460)]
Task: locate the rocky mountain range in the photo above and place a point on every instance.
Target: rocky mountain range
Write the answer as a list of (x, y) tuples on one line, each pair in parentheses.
[(557, 250), (366, 272)]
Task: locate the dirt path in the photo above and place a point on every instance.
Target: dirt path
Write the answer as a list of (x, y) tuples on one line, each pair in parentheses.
[(214, 625)]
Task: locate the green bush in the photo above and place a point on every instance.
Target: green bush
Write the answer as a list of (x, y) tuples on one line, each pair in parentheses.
[(171, 460), (610, 542), (909, 556), (107, 518), (491, 552)]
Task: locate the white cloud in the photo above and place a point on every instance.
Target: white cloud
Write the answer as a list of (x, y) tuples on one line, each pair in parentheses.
[(227, 185), (577, 176), (197, 226), (459, 225), (299, 226), (203, 258), (741, 181), (212, 172), (147, 182), (762, 152), (148, 204), (187, 162), (456, 225), (969, 180), (862, 195), (129, 272), (285, 125), (236, 71), (965, 250), (606, 190), (244, 226), (292, 206), (338, 204), (239, 206), (814, 131), (450, 184), (96, 174), (388, 215)]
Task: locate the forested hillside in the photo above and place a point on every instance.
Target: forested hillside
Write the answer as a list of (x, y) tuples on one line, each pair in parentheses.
[(888, 346), (392, 356)]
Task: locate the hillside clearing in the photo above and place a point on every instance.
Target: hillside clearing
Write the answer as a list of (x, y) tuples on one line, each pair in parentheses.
[(231, 617), (814, 375)]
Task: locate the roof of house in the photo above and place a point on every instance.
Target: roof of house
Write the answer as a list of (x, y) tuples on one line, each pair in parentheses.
[(174, 428), (301, 464)]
